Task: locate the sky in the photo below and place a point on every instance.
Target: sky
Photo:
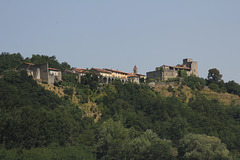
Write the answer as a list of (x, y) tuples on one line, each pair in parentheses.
[(121, 33)]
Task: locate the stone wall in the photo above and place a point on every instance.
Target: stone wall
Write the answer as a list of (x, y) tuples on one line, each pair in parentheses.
[(44, 73), (169, 74), (51, 79), (155, 74)]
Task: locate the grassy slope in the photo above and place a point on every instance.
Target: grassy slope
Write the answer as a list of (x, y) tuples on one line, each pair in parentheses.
[(225, 98), (89, 109)]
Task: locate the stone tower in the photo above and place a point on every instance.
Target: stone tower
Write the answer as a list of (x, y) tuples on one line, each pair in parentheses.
[(191, 64), (135, 70)]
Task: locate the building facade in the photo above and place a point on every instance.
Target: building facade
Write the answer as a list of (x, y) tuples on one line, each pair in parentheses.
[(42, 72), (165, 72), (106, 75)]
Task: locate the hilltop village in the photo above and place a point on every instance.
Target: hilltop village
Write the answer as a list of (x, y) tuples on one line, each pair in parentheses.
[(60, 112), (43, 73)]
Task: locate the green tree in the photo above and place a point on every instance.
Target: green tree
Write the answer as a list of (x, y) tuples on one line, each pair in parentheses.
[(182, 73), (202, 147), (52, 61), (178, 128), (91, 79), (113, 140), (10, 61), (214, 75), (150, 146), (233, 87)]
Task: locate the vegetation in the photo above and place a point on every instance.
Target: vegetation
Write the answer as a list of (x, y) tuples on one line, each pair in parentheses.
[(202, 147), (11, 61), (214, 75), (136, 121), (194, 82)]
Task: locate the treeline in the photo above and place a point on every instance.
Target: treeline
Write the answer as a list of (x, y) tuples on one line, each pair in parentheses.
[(11, 61), (136, 122)]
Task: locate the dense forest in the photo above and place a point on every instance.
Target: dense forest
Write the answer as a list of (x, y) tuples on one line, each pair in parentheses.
[(136, 121)]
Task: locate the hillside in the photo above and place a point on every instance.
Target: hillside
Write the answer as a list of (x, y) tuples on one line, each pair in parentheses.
[(87, 120), (187, 93), (89, 109)]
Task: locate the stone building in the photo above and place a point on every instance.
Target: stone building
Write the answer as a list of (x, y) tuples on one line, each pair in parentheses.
[(165, 72), (42, 72)]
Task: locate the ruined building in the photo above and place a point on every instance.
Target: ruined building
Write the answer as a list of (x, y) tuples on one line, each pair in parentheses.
[(41, 72), (165, 72)]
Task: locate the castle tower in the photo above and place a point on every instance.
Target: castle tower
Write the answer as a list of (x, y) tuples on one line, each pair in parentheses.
[(191, 64), (135, 70)]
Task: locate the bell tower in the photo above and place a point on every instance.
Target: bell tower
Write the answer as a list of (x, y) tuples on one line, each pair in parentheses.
[(135, 70)]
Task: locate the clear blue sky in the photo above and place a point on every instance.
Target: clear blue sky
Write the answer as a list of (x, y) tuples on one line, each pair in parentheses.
[(119, 34)]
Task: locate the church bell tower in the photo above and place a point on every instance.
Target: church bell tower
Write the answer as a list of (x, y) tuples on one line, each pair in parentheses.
[(135, 70)]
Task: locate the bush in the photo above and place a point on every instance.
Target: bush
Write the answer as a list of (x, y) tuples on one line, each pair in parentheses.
[(68, 91), (170, 89), (194, 82), (182, 73), (213, 87)]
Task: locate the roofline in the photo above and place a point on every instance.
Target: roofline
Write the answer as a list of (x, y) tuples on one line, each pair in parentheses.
[(112, 70), (101, 70), (54, 69)]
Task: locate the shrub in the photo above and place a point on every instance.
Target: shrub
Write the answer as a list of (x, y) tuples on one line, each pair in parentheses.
[(170, 89), (213, 87), (194, 82), (68, 91)]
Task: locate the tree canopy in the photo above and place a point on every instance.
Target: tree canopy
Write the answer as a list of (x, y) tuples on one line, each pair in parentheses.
[(214, 75)]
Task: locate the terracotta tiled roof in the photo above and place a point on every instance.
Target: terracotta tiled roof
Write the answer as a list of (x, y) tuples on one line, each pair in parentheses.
[(101, 70), (31, 64), (112, 70), (132, 75), (53, 69), (79, 70)]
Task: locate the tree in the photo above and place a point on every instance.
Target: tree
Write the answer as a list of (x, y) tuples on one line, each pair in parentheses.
[(214, 75), (113, 140), (233, 87), (202, 147), (150, 146), (10, 61), (52, 61), (182, 73)]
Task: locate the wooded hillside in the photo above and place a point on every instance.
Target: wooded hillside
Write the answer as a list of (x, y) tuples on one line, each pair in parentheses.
[(135, 121)]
